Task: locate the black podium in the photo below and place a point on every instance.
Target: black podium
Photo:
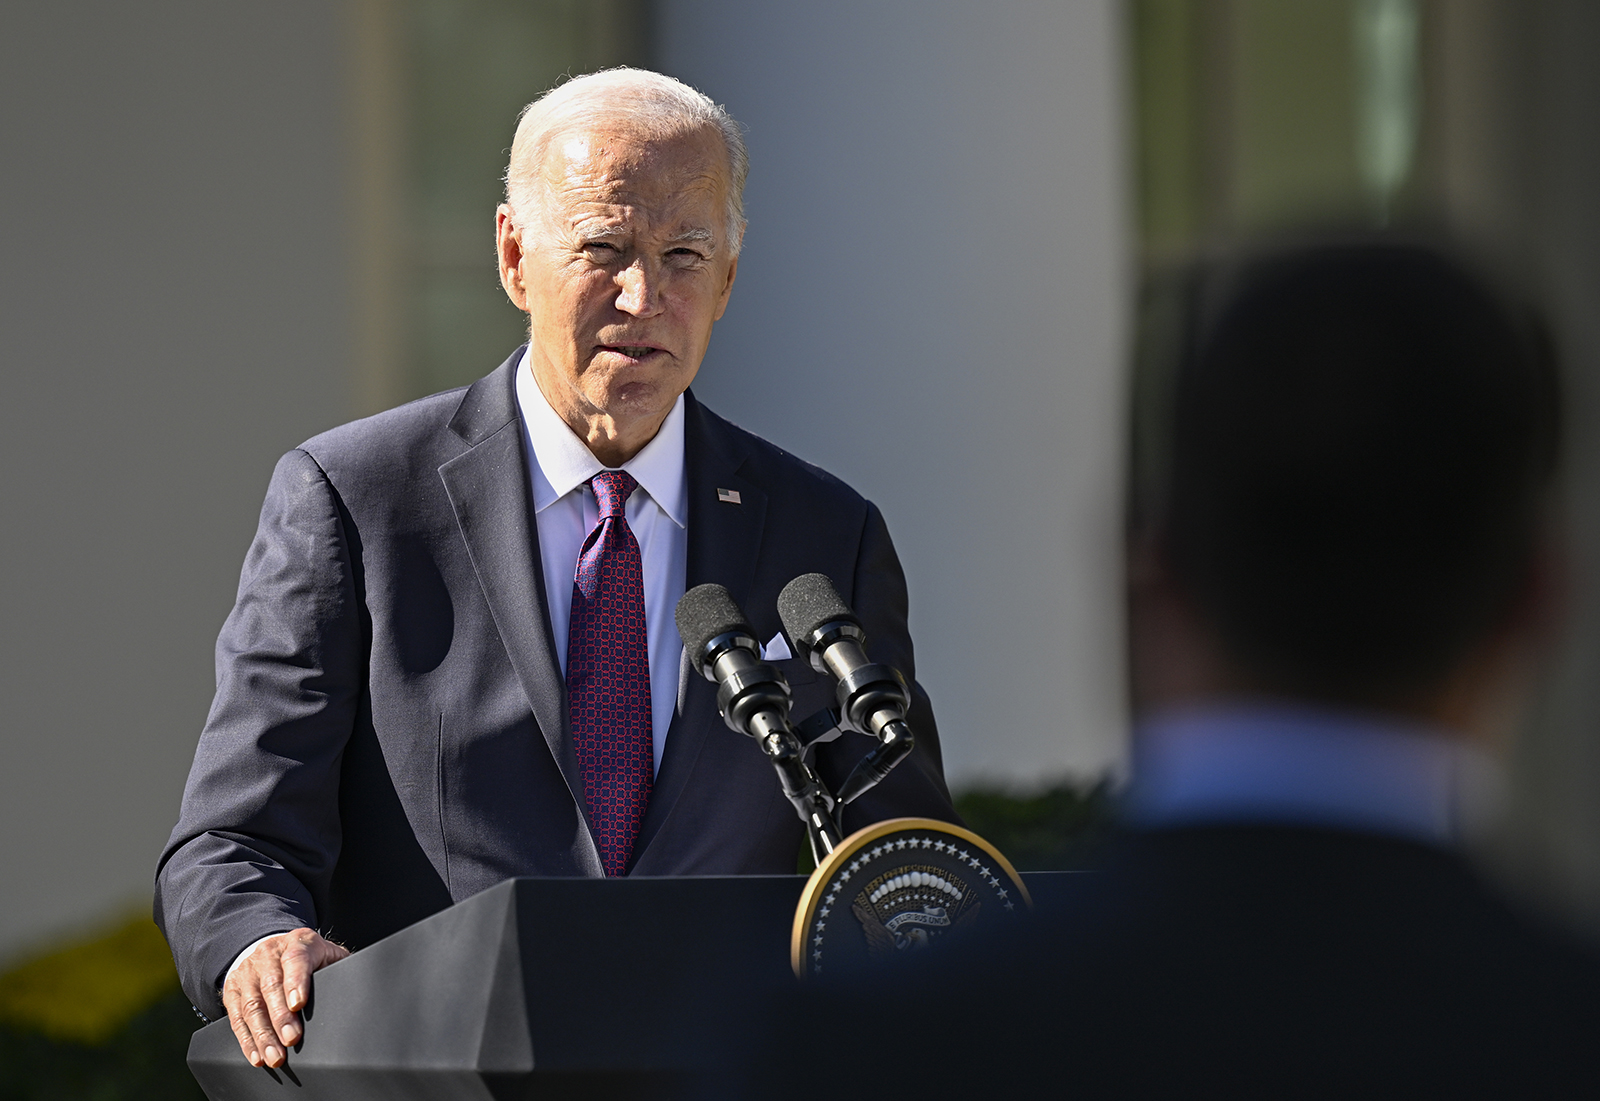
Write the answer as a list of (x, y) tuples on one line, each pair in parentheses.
[(537, 988)]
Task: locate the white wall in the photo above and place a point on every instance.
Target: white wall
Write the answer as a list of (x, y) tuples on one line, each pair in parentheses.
[(172, 317), (931, 305)]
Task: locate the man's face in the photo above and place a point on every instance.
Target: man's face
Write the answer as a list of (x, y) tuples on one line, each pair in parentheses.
[(622, 271)]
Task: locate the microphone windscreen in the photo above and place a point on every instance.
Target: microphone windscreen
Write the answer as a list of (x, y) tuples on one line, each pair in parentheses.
[(808, 602), (705, 612)]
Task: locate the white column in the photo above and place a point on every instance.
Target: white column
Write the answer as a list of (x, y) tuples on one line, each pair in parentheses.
[(931, 304)]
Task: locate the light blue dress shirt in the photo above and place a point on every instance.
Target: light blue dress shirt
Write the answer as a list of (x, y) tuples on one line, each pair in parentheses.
[(1293, 764), (565, 512)]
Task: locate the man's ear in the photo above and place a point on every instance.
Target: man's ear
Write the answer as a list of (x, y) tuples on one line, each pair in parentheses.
[(1486, 695), (727, 289), (1546, 591), (508, 240), (1174, 657)]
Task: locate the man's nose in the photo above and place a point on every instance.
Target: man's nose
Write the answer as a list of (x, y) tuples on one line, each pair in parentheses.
[(639, 290)]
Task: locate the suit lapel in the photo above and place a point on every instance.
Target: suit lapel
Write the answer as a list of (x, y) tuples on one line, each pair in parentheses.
[(488, 487), (724, 543), (724, 538)]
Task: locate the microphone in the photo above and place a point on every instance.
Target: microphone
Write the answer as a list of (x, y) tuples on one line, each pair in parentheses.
[(752, 695), (873, 698), (753, 699)]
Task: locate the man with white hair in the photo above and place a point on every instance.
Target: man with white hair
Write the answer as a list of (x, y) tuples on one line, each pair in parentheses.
[(453, 660)]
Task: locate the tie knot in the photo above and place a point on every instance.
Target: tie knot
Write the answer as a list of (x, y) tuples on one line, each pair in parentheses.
[(612, 488)]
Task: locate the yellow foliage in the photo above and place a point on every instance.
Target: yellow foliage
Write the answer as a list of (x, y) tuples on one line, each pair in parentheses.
[(86, 991)]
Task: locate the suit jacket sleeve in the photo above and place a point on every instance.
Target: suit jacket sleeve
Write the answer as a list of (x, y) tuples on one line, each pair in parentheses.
[(259, 833), (916, 787)]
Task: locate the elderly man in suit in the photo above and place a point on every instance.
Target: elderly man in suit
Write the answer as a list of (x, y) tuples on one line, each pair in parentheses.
[(453, 660)]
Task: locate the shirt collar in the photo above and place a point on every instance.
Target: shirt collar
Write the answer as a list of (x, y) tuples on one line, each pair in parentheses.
[(563, 462), (1298, 764)]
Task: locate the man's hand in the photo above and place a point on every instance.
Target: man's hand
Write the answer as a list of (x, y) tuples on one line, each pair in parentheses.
[(266, 990)]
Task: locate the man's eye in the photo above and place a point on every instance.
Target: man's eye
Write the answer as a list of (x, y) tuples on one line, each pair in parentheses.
[(600, 249), (685, 255)]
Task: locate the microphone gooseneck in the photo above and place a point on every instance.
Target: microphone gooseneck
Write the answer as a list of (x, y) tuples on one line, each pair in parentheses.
[(753, 699), (873, 698)]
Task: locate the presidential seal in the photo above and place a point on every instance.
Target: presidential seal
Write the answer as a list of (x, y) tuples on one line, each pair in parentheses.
[(898, 888)]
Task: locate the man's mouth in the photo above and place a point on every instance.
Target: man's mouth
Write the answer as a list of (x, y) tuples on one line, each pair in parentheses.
[(632, 351)]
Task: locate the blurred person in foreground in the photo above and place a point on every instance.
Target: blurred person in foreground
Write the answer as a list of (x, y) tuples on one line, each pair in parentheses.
[(453, 658), (1339, 587)]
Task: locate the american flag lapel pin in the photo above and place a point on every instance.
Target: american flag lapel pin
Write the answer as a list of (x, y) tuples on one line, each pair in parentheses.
[(729, 496)]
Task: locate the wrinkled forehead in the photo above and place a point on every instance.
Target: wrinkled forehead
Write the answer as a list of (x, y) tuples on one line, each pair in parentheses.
[(616, 159)]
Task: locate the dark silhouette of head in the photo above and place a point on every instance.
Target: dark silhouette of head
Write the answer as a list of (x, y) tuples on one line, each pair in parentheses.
[(1362, 439)]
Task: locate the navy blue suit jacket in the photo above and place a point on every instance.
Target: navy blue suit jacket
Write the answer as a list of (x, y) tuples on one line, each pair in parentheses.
[(390, 733)]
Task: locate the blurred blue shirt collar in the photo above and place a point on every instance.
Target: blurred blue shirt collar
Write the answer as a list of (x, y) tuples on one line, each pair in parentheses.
[(1290, 764)]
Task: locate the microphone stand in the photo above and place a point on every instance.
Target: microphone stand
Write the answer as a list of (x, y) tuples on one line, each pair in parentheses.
[(753, 698), (804, 788)]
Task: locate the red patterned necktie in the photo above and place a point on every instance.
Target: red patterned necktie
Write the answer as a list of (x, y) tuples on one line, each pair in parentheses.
[(608, 675)]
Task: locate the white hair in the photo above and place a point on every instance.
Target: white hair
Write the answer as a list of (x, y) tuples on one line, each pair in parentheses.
[(659, 105)]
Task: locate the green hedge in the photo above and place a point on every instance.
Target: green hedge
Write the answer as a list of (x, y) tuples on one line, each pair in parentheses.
[(1045, 831), (142, 1061), (1051, 830)]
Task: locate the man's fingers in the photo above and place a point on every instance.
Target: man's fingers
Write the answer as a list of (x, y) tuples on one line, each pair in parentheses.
[(308, 952), (297, 968), (266, 990), (285, 1024), (331, 952), (241, 1032), (256, 1016)]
